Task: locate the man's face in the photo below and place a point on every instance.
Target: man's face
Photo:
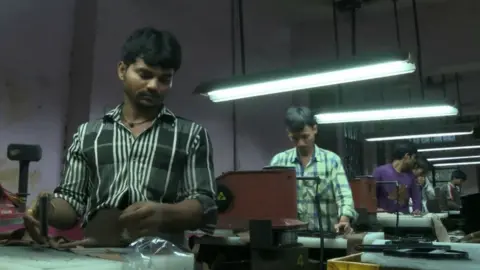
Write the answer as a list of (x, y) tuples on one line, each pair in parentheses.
[(418, 172), (409, 162), (421, 180), (145, 86), (304, 139), (457, 182)]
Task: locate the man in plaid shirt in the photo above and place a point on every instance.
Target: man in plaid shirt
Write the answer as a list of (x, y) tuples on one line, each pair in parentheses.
[(335, 196)]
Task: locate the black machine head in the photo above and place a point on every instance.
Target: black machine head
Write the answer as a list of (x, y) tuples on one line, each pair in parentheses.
[(24, 152)]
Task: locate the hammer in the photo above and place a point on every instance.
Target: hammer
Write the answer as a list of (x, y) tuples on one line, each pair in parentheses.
[(24, 154)]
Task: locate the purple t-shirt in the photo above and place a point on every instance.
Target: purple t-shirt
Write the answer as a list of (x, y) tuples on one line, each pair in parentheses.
[(388, 173)]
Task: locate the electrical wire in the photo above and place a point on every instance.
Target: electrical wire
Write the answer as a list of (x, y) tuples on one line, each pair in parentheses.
[(337, 46), (397, 23), (459, 99), (419, 48), (234, 69), (234, 6), (353, 15), (320, 224)]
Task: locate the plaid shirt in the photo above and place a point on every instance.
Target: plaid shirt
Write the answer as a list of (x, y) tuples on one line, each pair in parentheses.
[(107, 167), (334, 190)]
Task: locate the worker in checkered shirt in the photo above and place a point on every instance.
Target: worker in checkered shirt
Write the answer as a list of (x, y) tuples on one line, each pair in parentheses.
[(334, 193)]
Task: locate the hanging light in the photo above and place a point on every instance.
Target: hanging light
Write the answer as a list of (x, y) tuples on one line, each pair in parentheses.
[(417, 134), (452, 158), (404, 112), (338, 72), (450, 148), (456, 164)]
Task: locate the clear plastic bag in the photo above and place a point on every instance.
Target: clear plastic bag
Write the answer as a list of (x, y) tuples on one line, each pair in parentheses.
[(156, 253)]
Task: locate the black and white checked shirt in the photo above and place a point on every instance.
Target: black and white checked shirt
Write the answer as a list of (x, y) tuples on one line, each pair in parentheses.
[(107, 167)]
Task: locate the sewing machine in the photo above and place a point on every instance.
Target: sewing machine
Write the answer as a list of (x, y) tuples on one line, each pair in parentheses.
[(264, 204), (365, 199), (258, 225)]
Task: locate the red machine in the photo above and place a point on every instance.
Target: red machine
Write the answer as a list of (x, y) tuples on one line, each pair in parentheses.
[(257, 195), (10, 218), (364, 192)]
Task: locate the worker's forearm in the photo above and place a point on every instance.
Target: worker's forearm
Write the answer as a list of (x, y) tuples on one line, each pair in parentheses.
[(62, 215), (453, 206)]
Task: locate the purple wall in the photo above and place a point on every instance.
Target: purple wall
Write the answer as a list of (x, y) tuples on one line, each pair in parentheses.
[(46, 89)]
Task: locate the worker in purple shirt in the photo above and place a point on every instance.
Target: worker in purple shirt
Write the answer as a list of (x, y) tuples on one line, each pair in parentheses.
[(400, 171)]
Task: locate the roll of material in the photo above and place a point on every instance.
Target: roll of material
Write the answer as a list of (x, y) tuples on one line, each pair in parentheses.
[(390, 220)]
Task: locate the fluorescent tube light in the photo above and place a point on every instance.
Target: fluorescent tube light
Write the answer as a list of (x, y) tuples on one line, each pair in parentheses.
[(456, 164), (299, 79), (451, 148), (452, 158), (417, 136), (386, 114)]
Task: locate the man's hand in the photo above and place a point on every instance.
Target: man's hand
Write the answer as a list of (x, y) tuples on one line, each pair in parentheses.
[(31, 222), (417, 213), (343, 226), (143, 218)]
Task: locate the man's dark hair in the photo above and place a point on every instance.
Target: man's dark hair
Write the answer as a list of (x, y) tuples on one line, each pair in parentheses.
[(297, 118), (458, 174), (402, 149), (422, 163), (156, 48)]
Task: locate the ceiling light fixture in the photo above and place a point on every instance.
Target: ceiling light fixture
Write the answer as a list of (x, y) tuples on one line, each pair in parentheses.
[(386, 114), (338, 72), (418, 136), (451, 148), (452, 158), (456, 164)]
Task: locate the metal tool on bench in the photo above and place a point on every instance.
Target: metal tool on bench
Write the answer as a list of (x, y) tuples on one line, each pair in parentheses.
[(43, 208), (24, 154)]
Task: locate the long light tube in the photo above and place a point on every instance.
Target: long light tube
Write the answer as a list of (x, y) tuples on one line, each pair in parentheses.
[(451, 148), (452, 158), (417, 136), (313, 80), (456, 164), (386, 114)]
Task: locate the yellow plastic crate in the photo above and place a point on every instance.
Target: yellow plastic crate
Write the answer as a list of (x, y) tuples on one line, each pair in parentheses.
[(351, 262)]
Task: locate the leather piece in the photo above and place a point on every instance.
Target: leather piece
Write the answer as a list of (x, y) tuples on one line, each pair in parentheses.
[(105, 228), (353, 240)]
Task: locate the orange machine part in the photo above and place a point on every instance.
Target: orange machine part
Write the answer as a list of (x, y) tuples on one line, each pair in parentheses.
[(266, 194), (364, 191)]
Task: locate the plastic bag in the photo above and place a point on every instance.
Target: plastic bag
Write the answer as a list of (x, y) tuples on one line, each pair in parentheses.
[(156, 253)]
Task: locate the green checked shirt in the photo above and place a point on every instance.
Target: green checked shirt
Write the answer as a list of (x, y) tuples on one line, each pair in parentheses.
[(107, 167), (334, 190)]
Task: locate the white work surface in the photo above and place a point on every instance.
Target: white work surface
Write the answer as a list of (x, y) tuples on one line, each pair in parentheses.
[(426, 264), (28, 258), (425, 221), (224, 237)]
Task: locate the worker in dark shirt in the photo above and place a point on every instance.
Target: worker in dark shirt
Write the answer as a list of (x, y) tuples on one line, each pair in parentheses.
[(450, 193), (139, 158)]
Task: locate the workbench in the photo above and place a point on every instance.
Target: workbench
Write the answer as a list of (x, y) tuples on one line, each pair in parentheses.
[(30, 258)]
